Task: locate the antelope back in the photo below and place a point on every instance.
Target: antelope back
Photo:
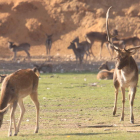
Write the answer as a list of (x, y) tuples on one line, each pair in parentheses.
[(18, 85), (105, 74)]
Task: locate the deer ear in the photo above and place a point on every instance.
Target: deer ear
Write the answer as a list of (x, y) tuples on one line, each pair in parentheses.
[(132, 52)]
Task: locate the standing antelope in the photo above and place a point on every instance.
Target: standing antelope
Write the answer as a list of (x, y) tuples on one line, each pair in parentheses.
[(79, 52), (125, 74), (14, 88), (48, 44), (85, 45), (21, 47), (91, 37)]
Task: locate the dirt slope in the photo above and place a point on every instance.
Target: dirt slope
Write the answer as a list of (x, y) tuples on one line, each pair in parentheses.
[(29, 21)]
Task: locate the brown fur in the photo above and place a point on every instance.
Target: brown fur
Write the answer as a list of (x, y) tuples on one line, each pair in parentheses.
[(91, 37), (131, 40), (125, 75), (104, 72), (15, 87)]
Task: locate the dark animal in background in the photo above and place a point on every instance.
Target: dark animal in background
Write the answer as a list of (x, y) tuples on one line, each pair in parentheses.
[(91, 37), (45, 68), (85, 45), (79, 52), (2, 77), (48, 44), (21, 47)]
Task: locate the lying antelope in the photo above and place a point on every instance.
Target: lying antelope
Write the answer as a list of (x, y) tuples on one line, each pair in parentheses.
[(91, 37), (125, 74), (14, 88), (105, 72), (21, 47), (44, 68)]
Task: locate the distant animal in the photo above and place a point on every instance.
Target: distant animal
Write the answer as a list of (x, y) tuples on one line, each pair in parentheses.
[(105, 72), (14, 88), (85, 45), (125, 74), (79, 52), (2, 76), (91, 37), (21, 47), (123, 42), (45, 68), (48, 44)]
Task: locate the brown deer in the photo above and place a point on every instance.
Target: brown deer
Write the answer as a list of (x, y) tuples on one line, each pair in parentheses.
[(125, 74), (130, 40), (21, 47), (91, 37), (14, 88), (105, 72), (122, 42)]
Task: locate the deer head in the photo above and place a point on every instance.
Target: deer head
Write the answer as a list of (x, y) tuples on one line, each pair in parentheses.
[(49, 36), (71, 46), (123, 55)]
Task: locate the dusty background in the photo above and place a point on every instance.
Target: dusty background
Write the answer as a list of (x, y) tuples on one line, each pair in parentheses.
[(30, 20)]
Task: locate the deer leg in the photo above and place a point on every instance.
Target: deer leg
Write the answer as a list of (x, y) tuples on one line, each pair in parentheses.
[(28, 54), (91, 51), (15, 55), (13, 118), (115, 103), (34, 98), (22, 110), (101, 49), (13, 108), (46, 50), (132, 96), (123, 102), (86, 56)]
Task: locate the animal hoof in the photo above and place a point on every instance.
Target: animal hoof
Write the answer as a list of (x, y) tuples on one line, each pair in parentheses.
[(114, 113), (15, 134), (132, 121), (36, 131), (121, 119)]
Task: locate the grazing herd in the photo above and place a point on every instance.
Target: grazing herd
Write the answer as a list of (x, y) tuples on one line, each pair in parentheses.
[(24, 82)]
